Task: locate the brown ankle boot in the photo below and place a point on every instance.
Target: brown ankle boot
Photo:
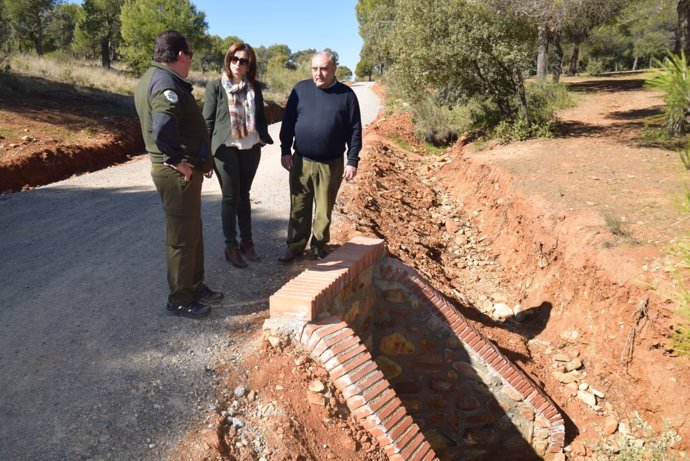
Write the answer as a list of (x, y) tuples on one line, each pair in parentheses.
[(248, 250), (232, 254)]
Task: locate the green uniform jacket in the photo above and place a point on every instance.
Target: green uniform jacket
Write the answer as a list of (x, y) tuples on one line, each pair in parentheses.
[(218, 117), (171, 121)]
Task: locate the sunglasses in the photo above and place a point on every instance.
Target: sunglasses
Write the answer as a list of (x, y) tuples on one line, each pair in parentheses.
[(242, 61)]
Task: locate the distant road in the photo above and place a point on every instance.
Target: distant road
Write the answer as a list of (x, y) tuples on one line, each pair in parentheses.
[(90, 365)]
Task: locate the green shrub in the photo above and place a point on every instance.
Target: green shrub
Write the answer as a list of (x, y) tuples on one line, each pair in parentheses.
[(595, 66), (671, 78), (431, 123)]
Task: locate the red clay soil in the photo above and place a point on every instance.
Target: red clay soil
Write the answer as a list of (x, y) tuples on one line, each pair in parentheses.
[(521, 225), (524, 225)]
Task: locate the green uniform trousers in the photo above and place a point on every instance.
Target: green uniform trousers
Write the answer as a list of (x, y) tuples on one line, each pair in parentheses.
[(313, 189), (184, 241)]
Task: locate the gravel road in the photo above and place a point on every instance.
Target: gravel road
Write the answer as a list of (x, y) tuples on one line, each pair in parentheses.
[(90, 365)]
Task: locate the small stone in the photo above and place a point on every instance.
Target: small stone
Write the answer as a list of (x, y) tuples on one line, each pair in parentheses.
[(574, 364), (240, 391), (502, 311), (564, 378), (316, 386), (610, 426), (561, 358), (570, 335), (587, 397), (596, 392), (572, 388), (237, 422), (316, 399), (274, 341)]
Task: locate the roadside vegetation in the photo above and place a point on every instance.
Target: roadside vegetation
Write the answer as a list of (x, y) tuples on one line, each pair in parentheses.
[(107, 44), (494, 68), (671, 78)]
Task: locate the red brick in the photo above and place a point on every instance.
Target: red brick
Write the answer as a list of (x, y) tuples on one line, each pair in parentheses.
[(408, 452), (474, 342), (510, 374), (405, 441), (525, 388), (344, 355), (543, 407), (331, 340), (468, 334), (369, 393), (349, 378), (343, 346), (429, 454), (399, 429), (491, 356), (556, 422), (374, 406), (350, 365), (359, 386), (538, 401), (324, 330), (550, 412), (351, 360), (366, 398), (389, 413)]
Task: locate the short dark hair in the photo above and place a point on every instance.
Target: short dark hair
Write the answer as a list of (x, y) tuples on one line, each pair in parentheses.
[(168, 45)]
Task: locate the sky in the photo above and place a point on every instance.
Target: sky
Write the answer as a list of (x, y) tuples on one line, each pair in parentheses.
[(299, 24)]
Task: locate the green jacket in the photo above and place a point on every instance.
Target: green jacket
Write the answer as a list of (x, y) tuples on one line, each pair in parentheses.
[(217, 115), (171, 122)]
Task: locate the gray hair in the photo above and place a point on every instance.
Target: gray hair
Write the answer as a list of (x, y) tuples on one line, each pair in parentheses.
[(330, 56)]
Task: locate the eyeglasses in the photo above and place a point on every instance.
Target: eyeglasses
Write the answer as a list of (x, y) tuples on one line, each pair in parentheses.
[(242, 61)]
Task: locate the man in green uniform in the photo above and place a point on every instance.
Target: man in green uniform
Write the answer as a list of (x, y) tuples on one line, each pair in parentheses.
[(177, 141)]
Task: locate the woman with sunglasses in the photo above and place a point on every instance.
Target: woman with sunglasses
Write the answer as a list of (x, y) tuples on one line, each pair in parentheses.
[(234, 113)]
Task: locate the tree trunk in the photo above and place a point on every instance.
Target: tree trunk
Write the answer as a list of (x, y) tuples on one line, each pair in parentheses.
[(522, 96), (557, 65), (635, 64), (105, 53), (683, 28), (574, 60), (543, 56), (38, 45)]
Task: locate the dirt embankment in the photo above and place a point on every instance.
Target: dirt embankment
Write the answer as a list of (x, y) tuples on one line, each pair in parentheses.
[(527, 226), (45, 142)]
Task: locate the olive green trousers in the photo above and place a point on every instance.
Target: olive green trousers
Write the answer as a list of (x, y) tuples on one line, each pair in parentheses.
[(313, 190), (184, 241)]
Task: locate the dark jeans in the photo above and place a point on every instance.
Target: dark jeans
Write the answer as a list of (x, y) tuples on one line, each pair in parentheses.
[(236, 170), (184, 240)]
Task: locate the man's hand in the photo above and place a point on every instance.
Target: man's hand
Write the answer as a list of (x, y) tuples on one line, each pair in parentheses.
[(286, 161), (350, 172), (184, 168)]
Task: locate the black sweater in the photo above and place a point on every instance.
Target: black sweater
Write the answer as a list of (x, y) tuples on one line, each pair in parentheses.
[(321, 122)]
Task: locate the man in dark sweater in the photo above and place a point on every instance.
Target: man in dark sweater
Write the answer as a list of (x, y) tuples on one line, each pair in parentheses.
[(321, 121)]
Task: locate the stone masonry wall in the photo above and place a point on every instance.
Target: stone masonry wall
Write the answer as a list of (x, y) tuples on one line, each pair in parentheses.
[(435, 386)]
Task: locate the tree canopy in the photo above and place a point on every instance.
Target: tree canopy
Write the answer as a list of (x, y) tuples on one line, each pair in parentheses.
[(143, 20)]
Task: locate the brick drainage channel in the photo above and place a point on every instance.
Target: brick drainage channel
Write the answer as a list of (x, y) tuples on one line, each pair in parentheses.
[(419, 377)]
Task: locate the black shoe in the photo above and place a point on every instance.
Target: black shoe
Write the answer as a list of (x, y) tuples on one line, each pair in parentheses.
[(289, 256), (209, 297), (193, 310)]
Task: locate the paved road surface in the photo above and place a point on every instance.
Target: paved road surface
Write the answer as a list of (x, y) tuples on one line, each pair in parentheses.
[(90, 366)]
